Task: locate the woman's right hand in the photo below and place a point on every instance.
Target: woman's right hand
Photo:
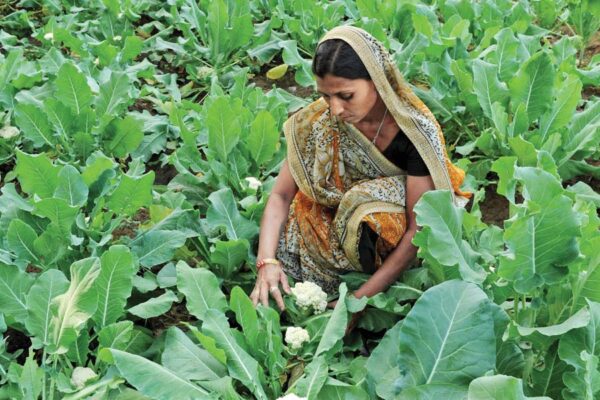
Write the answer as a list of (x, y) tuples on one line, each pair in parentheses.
[(269, 278)]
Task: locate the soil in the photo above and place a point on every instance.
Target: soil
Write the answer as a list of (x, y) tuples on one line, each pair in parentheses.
[(287, 82), (15, 341), (494, 208)]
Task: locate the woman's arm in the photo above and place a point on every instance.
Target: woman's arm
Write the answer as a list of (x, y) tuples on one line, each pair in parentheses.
[(405, 252), (272, 223)]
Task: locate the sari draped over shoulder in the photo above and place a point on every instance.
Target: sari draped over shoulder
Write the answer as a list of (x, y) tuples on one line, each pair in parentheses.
[(344, 180)]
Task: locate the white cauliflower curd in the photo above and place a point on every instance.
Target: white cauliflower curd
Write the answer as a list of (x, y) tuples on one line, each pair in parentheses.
[(295, 336), (309, 294)]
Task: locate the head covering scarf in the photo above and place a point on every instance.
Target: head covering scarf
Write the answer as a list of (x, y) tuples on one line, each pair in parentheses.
[(346, 182)]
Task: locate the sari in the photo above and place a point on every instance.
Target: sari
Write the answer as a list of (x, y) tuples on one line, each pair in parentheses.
[(345, 182)]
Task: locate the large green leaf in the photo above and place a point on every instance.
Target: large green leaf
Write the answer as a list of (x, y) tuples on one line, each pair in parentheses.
[(460, 342), (580, 348), (153, 380), (36, 174), (245, 314), (114, 284), (157, 247), (586, 284), (498, 387), (47, 286), (566, 99), (230, 255), (72, 88), (240, 364), (71, 186), (14, 285), (132, 194), (223, 213), (189, 360), (263, 138), (548, 381), (116, 336), (60, 116), (223, 127), (382, 366), (316, 374), (21, 237), (123, 136), (59, 212), (112, 94), (72, 309), (488, 88), (505, 54), (336, 326), (201, 289), (34, 125), (533, 84), (155, 306), (537, 251), (440, 239)]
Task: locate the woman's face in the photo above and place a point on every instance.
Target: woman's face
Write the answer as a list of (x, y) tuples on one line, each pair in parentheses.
[(350, 99)]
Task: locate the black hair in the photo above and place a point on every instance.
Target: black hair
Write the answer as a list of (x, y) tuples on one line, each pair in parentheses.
[(338, 58)]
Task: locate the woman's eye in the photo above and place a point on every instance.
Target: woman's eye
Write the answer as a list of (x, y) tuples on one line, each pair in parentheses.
[(346, 98)]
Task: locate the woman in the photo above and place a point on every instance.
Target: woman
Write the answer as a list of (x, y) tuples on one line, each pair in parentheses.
[(359, 158)]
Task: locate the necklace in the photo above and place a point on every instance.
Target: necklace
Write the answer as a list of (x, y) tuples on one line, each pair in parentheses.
[(380, 125)]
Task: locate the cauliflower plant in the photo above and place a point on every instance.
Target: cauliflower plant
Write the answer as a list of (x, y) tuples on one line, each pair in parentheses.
[(81, 375), (292, 396), (309, 294), (253, 183), (295, 336)]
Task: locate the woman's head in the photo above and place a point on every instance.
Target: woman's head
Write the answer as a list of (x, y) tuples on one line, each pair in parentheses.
[(344, 82)]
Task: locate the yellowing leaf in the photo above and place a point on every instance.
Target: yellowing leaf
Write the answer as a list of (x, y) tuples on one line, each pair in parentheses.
[(277, 72)]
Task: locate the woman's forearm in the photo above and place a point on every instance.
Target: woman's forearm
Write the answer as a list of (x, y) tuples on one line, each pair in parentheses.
[(398, 261), (271, 225)]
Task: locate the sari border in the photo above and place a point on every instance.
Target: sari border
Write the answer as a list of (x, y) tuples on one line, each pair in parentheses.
[(294, 159), (352, 239)]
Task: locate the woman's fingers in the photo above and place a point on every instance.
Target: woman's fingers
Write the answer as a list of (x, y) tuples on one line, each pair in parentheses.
[(264, 293), (276, 294), (254, 295), (284, 282)]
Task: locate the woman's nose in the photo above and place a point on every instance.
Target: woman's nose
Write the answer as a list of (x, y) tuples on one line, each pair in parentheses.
[(336, 107)]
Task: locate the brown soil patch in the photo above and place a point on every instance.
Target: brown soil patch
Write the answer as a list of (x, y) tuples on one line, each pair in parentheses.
[(494, 208)]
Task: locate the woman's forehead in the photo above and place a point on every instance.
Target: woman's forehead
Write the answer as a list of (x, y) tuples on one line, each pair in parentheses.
[(334, 84)]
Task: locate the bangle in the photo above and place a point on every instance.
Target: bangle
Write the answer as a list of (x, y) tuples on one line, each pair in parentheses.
[(264, 261)]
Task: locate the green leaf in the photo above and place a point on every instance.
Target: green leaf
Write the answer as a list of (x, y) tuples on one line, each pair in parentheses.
[(47, 286), (188, 360), (580, 348), (245, 314), (113, 94), (96, 164), (223, 212), (153, 380), (223, 127), (548, 381), (31, 381), (14, 285), (157, 247), (60, 117), (263, 138), (316, 374), (460, 345), (155, 306), (435, 391), (72, 309), (537, 252), (34, 125), (498, 387), (505, 55), (382, 366), (201, 289), (132, 194), (71, 186), (132, 48), (20, 238), (114, 284), (36, 174), (59, 213), (72, 88), (209, 344), (241, 365), (116, 335), (336, 326), (123, 136), (567, 96), (440, 238), (230, 255), (533, 85), (488, 88)]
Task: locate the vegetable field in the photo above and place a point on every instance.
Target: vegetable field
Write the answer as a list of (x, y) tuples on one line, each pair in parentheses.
[(139, 141)]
